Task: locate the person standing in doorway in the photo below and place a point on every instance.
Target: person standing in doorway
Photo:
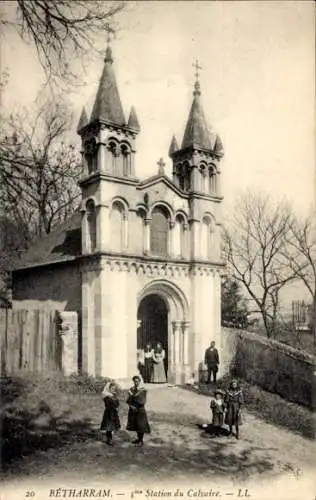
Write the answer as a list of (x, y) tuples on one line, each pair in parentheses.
[(148, 363), (159, 372), (212, 361), (137, 417)]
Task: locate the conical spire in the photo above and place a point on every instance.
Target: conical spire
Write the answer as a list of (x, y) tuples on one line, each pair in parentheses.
[(83, 120), (218, 147), (196, 130), (107, 105), (133, 122), (173, 146)]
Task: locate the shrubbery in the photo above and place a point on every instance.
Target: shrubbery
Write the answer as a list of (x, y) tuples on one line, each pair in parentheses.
[(39, 412)]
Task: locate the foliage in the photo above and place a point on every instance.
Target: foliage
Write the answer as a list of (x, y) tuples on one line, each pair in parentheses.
[(234, 309), (256, 248), (40, 412), (301, 257), (63, 32), (272, 408), (39, 168)]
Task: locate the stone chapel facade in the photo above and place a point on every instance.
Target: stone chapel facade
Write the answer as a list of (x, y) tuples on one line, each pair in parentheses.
[(148, 265)]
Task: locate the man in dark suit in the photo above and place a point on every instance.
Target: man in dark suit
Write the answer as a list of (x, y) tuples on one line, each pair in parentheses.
[(212, 361)]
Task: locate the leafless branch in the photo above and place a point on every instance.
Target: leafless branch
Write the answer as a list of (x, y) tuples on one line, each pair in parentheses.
[(63, 32)]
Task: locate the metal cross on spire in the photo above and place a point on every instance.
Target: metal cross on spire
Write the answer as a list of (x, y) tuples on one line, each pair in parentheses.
[(110, 33), (197, 89), (197, 67)]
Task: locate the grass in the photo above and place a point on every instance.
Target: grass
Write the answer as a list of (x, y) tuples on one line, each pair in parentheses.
[(272, 408), (39, 412)]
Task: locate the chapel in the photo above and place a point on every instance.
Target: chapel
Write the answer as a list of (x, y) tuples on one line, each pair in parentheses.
[(140, 260)]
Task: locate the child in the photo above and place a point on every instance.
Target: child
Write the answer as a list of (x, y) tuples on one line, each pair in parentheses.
[(111, 420), (137, 417), (218, 406), (233, 402)]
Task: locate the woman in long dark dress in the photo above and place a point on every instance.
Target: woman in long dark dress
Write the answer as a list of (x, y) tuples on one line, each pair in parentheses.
[(233, 402), (218, 407), (159, 372), (111, 420), (148, 363), (137, 417)]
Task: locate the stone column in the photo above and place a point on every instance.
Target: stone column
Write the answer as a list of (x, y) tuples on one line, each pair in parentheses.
[(147, 236), (185, 243), (103, 227), (177, 367), (68, 330), (185, 344), (125, 232), (171, 245)]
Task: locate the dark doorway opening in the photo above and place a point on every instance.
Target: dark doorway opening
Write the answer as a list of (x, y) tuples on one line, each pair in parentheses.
[(153, 328)]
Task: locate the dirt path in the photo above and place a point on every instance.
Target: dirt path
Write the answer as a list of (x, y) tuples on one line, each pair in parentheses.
[(176, 450)]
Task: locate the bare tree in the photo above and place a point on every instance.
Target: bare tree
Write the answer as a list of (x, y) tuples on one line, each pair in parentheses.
[(302, 257), (39, 168), (62, 32), (255, 244)]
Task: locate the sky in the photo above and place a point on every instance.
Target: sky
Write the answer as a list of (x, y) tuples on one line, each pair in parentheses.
[(257, 81)]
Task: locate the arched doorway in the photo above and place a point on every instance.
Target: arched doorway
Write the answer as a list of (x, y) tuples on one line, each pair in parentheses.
[(163, 315), (152, 319)]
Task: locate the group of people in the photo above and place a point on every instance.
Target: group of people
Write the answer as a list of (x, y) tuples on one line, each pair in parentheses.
[(151, 364), (137, 420), (225, 406), (226, 409)]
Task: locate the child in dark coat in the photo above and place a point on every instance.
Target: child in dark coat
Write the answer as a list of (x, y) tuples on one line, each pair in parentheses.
[(218, 407), (111, 420), (233, 401), (137, 417)]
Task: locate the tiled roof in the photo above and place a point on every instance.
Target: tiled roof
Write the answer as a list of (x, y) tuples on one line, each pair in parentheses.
[(62, 244)]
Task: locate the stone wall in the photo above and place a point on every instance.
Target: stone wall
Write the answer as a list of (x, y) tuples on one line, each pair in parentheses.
[(274, 366)]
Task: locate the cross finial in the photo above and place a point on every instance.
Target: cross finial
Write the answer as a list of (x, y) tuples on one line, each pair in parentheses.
[(161, 167), (110, 33), (197, 67), (109, 37)]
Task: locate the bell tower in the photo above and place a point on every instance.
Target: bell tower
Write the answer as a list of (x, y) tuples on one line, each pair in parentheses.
[(196, 172), (108, 155), (196, 163)]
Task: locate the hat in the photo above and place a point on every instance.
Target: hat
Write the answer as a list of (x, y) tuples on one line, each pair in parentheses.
[(219, 391)]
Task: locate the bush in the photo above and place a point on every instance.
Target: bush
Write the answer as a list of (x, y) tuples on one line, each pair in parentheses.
[(39, 412)]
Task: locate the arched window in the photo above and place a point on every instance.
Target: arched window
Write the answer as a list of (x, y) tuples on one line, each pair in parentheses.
[(91, 155), (117, 226), (206, 238), (126, 159), (159, 231), (187, 177), (180, 177), (212, 179), (179, 236), (114, 150), (204, 178), (92, 225)]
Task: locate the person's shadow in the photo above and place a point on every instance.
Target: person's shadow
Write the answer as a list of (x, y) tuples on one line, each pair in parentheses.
[(212, 430)]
